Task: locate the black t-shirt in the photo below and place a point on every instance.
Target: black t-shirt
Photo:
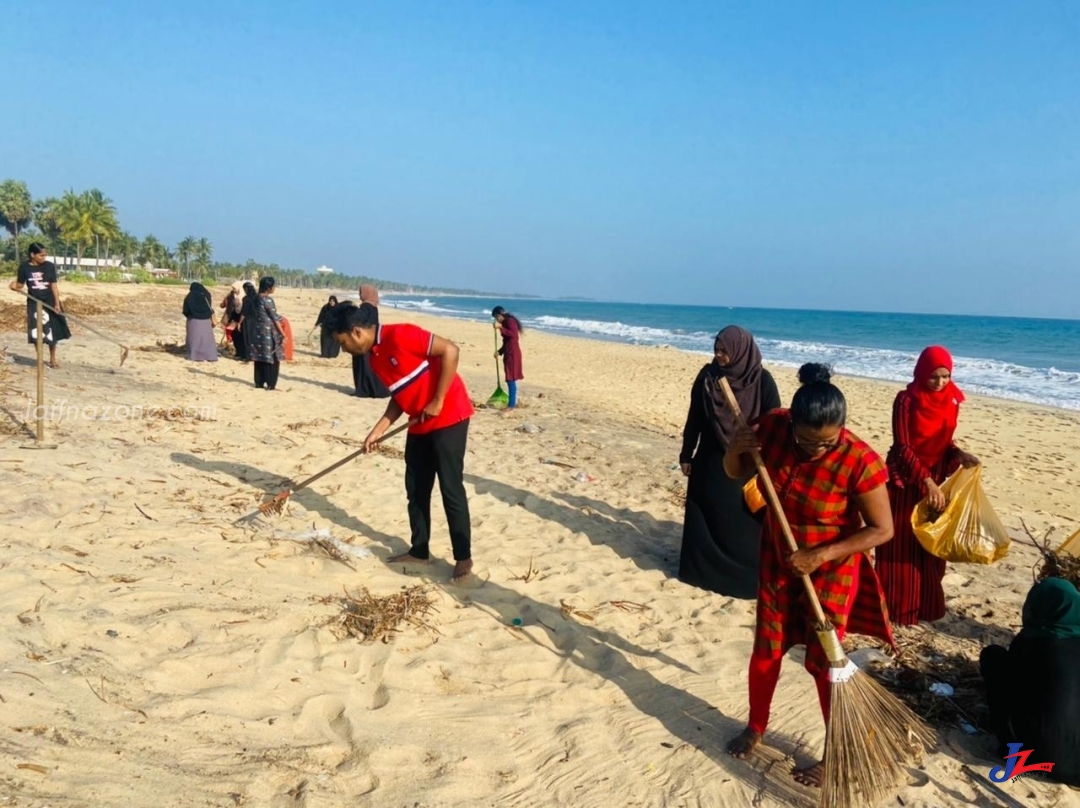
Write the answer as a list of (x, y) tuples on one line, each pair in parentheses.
[(38, 280)]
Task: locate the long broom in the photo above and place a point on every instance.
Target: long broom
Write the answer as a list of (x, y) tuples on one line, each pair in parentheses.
[(499, 398), (274, 506), (870, 735)]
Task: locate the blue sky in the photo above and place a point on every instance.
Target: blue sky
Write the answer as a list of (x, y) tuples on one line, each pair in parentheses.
[(902, 156)]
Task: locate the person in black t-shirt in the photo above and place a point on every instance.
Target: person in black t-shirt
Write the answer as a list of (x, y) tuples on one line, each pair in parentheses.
[(38, 277)]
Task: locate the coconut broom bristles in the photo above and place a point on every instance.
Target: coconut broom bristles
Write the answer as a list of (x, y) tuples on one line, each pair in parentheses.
[(870, 735)]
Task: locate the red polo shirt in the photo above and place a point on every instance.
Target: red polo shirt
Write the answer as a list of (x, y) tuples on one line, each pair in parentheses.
[(401, 358)]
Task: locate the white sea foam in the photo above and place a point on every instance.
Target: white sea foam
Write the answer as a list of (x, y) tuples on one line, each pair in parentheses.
[(992, 377), (634, 333)]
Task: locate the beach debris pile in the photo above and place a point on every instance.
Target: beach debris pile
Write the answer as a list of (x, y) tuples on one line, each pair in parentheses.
[(1061, 563), (370, 618), (13, 317), (86, 306), (164, 347), (938, 678)]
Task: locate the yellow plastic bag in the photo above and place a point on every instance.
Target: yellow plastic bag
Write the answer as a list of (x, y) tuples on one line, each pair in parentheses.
[(752, 495), (969, 530), (1071, 545)]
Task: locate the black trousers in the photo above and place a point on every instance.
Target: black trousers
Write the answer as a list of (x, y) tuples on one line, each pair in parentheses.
[(239, 343), (266, 373), (438, 454)]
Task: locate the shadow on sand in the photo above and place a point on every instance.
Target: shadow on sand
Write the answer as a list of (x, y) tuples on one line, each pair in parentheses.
[(686, 717)]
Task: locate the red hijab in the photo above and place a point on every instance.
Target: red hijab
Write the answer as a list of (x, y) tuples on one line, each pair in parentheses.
[(934, 416)]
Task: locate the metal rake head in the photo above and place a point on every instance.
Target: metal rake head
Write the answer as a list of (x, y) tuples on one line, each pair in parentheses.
[(257, 518), (275, 506)]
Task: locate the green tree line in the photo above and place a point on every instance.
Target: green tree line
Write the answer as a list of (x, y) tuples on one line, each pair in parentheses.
[(72, 225)]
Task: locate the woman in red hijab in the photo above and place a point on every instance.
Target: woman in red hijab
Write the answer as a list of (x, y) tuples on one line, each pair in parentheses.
[(923, 454)]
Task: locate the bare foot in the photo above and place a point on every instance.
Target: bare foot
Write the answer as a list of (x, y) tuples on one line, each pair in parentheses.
[(810, 775), (462, 571), (743, 744), (405, 558), (54, 364)]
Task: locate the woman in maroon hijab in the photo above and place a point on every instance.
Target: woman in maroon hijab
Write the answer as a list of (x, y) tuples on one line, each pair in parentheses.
[(721, 540), (923, 454)]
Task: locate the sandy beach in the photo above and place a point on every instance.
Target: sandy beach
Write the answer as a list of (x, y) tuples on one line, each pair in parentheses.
[(157, 655)]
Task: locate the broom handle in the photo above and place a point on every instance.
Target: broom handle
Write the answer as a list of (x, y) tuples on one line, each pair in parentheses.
[(319, 474), (498, 378), (774, 502)]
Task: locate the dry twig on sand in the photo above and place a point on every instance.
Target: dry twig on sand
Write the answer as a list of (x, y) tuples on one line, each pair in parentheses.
[(371, 618), (569, 611), (332, 552), (677, 495), (529, 575), (390, 451), (1054, 564), (628, 605)]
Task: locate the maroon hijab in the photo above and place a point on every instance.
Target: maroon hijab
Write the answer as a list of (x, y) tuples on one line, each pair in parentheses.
[(743, 373)]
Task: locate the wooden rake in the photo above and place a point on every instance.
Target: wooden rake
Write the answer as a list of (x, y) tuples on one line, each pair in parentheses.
[(275, 505), (869, 734)]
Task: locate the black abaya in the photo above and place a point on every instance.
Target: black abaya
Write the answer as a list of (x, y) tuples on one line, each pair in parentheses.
[(328, 346), (721, 540), (1033, 690), (364, 379)]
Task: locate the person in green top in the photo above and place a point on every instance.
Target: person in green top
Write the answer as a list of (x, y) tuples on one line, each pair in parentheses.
[(1033, 687)]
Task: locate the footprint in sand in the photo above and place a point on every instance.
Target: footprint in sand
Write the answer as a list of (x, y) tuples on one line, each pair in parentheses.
[(380, 698), (322, 718)]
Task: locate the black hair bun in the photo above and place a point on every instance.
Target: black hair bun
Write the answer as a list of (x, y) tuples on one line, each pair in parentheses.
[(815, 372)]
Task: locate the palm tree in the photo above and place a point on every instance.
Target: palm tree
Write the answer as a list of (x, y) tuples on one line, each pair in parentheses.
[(127, 246), (151, 251), (101, 214), (47, 220), (204, 250), (16, 208), (184, 252), (76, 222)]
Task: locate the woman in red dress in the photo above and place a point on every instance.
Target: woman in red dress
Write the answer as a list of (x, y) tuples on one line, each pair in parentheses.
[(831, 485), (923, 454), (510, 328)]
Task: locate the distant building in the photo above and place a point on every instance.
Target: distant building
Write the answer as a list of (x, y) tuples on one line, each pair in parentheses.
[(70, 262), (324, 270)]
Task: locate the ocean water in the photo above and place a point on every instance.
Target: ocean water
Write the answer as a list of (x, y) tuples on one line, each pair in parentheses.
[(1023, 359)]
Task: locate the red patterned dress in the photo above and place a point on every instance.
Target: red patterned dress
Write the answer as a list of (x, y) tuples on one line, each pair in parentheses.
[(819, 499)]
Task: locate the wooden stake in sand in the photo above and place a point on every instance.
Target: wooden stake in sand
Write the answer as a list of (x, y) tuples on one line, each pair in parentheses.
[(869, 734), (39, 330)]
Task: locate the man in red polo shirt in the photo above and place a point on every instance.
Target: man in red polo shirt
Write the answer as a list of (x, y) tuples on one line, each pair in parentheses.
[(420, 370)]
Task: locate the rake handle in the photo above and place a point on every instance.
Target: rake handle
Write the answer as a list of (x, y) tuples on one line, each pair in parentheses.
[(75, 319), (774, 503), (347, 459)]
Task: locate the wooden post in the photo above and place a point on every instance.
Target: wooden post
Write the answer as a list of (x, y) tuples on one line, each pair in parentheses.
[(40, 330), (39, 440)]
